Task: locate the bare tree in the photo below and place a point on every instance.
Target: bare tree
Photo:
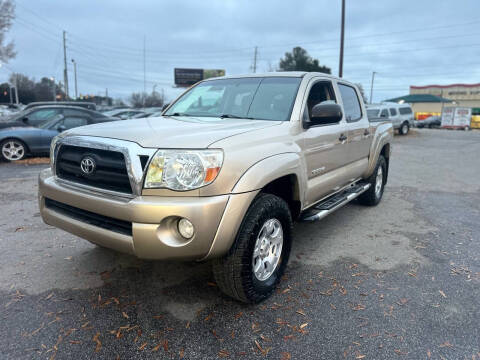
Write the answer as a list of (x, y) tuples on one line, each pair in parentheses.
[(140, 100), (7, 14)]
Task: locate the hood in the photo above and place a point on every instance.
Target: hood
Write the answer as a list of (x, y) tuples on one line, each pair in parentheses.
[(173, 132)]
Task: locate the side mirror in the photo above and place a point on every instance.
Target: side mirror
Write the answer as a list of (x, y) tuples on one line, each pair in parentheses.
[(61, 128), (25, 120), (323, 114)]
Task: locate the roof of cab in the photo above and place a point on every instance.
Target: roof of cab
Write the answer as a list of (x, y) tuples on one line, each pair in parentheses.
[(276, 74)]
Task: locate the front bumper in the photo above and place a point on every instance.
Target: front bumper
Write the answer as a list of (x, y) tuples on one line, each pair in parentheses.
[(153, 219)]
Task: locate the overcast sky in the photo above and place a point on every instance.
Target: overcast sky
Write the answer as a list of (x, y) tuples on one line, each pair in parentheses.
[(409, 42)]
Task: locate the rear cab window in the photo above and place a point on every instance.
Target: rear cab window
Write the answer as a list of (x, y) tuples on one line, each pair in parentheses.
[(351, 103)]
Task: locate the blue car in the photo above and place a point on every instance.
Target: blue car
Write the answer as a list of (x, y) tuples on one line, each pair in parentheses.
[(19, 140)]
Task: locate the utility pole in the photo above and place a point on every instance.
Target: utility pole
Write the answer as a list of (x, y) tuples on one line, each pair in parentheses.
[(371, 87), (65, 72), (16, 88), (11, 94), (342, 37), (254, 67), (144, 66), (144, 72), (75, 75)]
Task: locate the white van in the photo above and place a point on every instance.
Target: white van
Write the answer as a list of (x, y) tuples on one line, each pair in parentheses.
[(401, 115)]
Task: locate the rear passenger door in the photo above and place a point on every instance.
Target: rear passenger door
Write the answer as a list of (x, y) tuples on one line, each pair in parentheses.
[(394, 116), (358, 130)]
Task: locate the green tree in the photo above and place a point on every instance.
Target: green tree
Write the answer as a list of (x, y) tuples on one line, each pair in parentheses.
[(26, 87), (7, 14), (299, 60), (362, 91)]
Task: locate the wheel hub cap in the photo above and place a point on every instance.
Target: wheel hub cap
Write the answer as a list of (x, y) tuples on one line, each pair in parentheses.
[(13, 150), (267, 250)]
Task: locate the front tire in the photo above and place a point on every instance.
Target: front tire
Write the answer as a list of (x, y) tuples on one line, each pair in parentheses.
[(257, 260), (12, 150), (377, 180)]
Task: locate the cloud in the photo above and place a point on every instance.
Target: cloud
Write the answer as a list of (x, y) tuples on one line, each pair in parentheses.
[(408, 42)]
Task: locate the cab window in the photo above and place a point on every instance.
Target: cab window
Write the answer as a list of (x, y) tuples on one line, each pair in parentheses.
[(384, 113), (351, 104), (393, 112), (320, 92)]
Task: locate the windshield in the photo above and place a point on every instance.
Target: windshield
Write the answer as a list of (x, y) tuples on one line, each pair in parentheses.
[(372, 113), (269, 98)]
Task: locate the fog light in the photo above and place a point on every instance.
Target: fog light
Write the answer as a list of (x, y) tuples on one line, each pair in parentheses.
[(185, 228)]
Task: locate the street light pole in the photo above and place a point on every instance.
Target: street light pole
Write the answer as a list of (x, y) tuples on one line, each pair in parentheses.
[(75, 75), (371, 87), (342, 37)]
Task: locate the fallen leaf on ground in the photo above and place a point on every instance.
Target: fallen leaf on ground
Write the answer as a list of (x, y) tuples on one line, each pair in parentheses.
[(99, 343), (143, 346), (442, 293), (400, 352), (223, 353), (446, 344), (301, 312), (303, 325), (286, 356)]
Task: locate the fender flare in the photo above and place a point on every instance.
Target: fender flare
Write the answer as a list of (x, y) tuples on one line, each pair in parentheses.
[(269, 169), (375, 149)]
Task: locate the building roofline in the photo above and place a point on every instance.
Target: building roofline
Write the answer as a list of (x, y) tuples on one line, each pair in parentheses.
[(444, 86)]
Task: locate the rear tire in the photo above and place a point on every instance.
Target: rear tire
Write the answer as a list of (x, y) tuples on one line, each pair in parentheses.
[(377, 180), (404, 128), (257, 259), (12, 150)]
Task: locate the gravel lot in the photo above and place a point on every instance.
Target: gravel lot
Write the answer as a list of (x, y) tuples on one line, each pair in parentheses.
[(398, 281)]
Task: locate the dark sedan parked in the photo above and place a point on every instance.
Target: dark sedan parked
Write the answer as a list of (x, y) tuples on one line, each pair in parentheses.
[(430, 122), (18, 141), (39, 114)]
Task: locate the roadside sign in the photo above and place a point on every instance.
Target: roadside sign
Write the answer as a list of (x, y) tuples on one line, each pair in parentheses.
[(447, 116), (189, 77), (456, 117), (462, 117)]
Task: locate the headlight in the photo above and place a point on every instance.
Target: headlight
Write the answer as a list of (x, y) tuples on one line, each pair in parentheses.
[(183, 169)]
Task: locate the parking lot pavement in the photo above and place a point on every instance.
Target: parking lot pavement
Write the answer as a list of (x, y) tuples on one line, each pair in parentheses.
[(397, 281)]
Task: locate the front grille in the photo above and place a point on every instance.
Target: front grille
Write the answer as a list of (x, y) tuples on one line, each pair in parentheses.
[(110, 169), (105, 222)]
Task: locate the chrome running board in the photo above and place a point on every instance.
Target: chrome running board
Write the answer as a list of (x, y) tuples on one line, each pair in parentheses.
[(334, 202)]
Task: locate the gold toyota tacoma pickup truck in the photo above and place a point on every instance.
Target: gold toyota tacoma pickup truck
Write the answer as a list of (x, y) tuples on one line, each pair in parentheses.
[(221, 175)]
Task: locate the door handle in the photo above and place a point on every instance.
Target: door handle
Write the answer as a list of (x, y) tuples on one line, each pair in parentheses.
[(366, 132), (342, 138)]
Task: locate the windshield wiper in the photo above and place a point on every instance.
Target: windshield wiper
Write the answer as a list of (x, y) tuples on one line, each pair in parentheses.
[(177, 114), (230, 116)]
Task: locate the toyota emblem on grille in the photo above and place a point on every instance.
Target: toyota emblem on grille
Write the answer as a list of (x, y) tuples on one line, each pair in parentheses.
[(87, 165)]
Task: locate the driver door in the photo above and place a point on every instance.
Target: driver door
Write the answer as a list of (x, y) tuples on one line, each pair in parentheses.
[(324, 146)]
